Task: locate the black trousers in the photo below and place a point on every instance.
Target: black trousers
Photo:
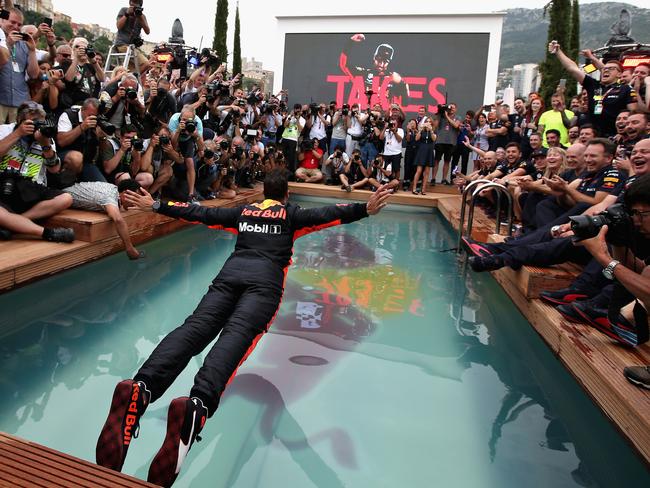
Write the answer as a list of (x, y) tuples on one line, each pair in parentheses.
[(461, 153), (555, 251), (289, 150), (239, 307)]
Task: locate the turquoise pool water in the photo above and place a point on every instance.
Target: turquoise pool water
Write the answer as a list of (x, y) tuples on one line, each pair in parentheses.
[(386, 367)]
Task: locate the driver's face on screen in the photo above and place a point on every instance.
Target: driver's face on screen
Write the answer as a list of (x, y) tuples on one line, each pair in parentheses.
[(381, 64)]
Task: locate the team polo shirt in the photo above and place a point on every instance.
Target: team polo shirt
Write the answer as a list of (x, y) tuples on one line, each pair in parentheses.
[(531, 170), (608, 180), (310, 162), (614, 98), (505, 168)]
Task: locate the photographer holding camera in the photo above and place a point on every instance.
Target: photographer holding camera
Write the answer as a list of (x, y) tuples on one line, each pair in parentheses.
[(317, 123), (381, 173), (355, 175), (122, 158), (270, 123), (78, 139), (339, 128), (123, 102), (187, 136), (211, 175), (293, 126), (131, 21), (159, 102), (159, 158), (335, 166), (27, 156), (393, 135), (355, 121), (622, 251), (21, 66), (447, 136), (83, 75), (310, 156)]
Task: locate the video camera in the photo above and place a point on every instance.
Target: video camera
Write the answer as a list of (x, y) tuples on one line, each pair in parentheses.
[(443, 108), (616, 218)]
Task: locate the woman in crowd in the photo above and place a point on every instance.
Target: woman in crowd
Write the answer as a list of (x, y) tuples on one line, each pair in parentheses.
[(44, 89), (531, 122), (410, 153), (425, 137)]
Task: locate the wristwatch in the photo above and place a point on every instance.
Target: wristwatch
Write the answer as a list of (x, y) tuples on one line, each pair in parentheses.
[(155, 206), (608, 272)]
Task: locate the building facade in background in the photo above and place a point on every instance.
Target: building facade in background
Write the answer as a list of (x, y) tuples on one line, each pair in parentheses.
[(525, 79), (255, 74)]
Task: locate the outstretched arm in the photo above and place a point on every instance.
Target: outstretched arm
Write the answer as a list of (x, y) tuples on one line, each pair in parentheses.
[(306, 221), (216, 218)]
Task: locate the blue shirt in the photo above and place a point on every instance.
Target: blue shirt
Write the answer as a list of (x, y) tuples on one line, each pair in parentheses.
[(13, 87), (174, 122)]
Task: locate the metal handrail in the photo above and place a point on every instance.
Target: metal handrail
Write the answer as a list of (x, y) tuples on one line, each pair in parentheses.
[(500, 190), (463, 207)]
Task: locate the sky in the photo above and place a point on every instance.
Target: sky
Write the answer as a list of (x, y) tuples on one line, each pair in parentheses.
[(258, 18)]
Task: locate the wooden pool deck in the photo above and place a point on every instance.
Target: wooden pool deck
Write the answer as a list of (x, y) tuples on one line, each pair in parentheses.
[(595, 361)]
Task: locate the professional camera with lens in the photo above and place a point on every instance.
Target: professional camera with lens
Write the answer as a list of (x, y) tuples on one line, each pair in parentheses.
[(313, 108), (190, 127), (270, 108), (377, 163), (338, 153), (306, 145), (105, 125), (131, 93), (164, 140), (137, 41), (380, 123), (211, 59), (345, 110), (45, 128), (208, 154), (616, 218), (224, 145), (254, 97), (138, 11), (443, 108), (137, 143), (90, 51)]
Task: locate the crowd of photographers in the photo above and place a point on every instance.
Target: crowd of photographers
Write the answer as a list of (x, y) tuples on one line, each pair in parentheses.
[(75, 136)]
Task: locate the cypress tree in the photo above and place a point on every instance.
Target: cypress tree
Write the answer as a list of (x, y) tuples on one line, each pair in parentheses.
[(236, 52), (574, 44), (559, 29), (221, 30)]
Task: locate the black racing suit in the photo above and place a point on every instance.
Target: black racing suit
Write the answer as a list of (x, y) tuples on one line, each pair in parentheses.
[(244, 298)]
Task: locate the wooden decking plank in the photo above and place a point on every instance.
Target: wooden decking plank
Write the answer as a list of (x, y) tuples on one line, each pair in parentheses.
[(68, 465), (70, 471), (8, 479)]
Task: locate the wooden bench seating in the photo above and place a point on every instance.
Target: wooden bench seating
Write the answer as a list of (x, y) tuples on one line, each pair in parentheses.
[(25, 260)]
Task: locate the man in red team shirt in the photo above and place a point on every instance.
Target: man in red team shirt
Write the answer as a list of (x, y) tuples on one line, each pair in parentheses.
[(309, 170)]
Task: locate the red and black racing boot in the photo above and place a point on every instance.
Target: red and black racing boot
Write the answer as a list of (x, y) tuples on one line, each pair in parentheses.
[(185, 420), (130, 400)]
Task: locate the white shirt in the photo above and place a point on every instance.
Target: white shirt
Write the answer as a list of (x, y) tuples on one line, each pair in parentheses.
[(3, 39), (318, 128), (392, 146), (65, 125), (356, 129), (382, 178), (339, 163)]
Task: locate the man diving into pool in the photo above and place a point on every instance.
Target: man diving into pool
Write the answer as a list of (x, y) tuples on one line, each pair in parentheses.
[(239, 306)]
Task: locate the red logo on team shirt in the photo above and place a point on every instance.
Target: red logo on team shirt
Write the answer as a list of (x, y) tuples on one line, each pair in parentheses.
[(265, 214)]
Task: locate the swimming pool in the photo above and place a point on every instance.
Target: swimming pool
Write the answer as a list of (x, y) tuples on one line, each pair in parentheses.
[(387, 366)]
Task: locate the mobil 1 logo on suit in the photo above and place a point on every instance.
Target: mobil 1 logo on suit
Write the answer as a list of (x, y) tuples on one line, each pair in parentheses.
[(260, 228)]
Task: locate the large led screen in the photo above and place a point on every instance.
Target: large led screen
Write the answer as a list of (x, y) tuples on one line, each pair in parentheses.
[(413, 70)]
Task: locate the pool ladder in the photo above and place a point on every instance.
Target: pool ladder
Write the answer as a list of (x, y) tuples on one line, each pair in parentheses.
[(475, 188)]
